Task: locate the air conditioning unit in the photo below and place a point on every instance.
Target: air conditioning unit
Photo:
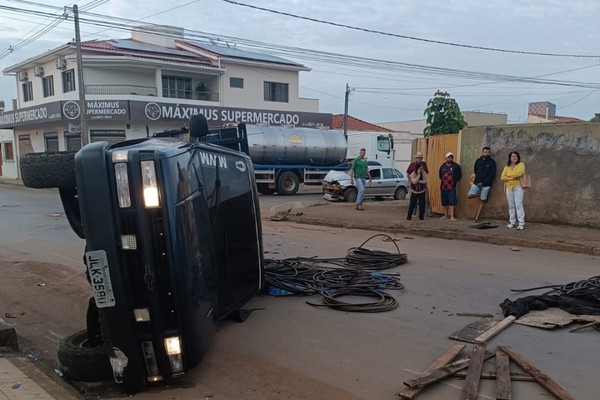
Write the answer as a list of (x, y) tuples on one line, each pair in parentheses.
[(22, 75), (61, 63), (38, 71)]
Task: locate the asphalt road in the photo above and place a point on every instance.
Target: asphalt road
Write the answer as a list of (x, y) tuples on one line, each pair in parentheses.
[(290, 350)]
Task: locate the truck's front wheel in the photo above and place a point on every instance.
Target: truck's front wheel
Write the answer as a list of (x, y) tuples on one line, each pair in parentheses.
[(288, 183)]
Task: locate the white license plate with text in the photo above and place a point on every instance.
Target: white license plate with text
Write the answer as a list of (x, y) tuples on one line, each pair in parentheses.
[(97, 265)]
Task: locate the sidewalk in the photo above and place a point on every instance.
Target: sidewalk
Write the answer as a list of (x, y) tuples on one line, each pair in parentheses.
[(390, 216)]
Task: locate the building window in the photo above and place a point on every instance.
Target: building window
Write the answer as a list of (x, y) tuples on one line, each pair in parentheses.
[(51, 139), (176, 87), (48, 83), (236, 83), (27, 91), (68, 80), (72, 141), (275, 91), (8, 154), (25, 146)]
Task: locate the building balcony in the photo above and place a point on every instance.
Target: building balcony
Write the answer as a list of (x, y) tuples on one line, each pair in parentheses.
[(120, 90)]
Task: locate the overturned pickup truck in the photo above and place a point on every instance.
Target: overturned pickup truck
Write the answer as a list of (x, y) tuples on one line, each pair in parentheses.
[(173, 245)]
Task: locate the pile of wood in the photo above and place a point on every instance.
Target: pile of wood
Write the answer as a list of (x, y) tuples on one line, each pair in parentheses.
[(445, 366)]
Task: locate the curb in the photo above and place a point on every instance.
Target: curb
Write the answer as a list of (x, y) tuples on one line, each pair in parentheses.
[(458, 235), (8, 336)]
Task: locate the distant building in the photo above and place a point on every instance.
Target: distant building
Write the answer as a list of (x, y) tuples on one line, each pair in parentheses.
[(355, 124), (473, 118), (545, 112)]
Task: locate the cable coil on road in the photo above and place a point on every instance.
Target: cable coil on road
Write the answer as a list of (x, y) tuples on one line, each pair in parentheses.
[(333, 278)]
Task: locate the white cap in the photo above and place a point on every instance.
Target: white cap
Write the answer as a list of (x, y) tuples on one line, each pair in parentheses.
[(448, 154)]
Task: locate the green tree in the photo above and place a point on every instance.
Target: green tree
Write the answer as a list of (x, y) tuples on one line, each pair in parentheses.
[(596, 118), (443, 115)]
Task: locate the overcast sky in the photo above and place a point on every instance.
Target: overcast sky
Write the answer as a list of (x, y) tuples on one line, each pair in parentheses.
[(388, 93)]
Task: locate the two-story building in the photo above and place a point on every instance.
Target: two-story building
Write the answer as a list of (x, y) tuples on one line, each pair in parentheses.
[(151, 82)]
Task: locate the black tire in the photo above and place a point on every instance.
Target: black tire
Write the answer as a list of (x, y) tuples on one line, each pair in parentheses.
[(48, 170), (350, 195), (288, 183), (400, 193), (80, 362), (263, 188)]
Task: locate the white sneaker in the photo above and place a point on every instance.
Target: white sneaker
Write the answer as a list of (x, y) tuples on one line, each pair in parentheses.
[(520, 227), (510, 226)]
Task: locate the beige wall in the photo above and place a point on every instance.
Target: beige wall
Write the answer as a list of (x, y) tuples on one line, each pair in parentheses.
[(562, 160)]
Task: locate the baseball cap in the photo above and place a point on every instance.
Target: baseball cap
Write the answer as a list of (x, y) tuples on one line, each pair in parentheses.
[(448, 154)]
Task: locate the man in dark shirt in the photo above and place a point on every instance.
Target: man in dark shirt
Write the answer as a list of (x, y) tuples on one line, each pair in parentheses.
[(450, 173), (485, 173)]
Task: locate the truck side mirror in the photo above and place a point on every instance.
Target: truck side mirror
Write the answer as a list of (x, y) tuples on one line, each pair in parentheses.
[(198, 126)]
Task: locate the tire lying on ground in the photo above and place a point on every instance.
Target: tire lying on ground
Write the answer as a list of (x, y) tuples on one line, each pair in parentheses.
[(48, 170), (80, 362)]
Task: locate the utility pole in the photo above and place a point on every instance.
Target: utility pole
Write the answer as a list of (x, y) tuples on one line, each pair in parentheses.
[(346, 111), (81, 86)]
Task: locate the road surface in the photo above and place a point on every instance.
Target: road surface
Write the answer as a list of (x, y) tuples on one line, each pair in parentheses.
[(290, 350)]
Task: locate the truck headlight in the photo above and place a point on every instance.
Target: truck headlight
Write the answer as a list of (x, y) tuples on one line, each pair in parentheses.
[(122, 185), (150, 185), (173, 349)]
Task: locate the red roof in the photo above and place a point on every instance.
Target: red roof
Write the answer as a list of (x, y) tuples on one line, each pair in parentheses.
[(355, 124), (555, 118)]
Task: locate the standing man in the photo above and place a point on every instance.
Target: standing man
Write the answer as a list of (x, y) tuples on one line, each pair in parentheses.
[(485, 172), (418, 160), (450, 173), (359, 173)]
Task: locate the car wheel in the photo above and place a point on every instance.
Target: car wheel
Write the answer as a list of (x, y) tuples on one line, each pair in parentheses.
[(400, 193), (288, 184), (350, 195), (48, 170), (81, 362)]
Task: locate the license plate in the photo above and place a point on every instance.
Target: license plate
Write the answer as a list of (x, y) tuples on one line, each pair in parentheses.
[(97, 266)]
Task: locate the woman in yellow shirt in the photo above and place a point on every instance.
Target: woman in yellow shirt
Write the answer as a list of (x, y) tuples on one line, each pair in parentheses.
[(513, 170)]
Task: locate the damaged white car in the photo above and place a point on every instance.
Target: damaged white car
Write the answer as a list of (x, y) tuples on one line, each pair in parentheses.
[(387, 182)]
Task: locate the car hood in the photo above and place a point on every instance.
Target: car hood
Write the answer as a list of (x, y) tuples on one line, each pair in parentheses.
[(336, 176)]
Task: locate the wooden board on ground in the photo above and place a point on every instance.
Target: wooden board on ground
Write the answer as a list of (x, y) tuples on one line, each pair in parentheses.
[(448, 356), (494, 330), (503, 376), (473, 330), (543, 379), (552, 318), (474, 373)]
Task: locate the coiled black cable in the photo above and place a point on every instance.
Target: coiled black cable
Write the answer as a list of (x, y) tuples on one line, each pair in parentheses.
[(335, 277)]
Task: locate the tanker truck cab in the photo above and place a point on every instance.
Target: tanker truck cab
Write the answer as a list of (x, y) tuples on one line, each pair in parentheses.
[(379, 147), (173, 245)]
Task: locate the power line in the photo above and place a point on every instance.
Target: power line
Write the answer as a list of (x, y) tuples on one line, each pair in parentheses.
[(356, 28)]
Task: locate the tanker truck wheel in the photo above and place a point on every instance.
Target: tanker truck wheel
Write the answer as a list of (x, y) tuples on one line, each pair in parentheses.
[(288, 184), (263, 188)]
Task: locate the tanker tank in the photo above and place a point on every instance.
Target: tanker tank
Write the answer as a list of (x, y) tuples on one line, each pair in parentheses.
[(295, 146)]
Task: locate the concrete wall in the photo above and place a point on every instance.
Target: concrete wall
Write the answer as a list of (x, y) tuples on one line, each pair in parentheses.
[(562, 159)]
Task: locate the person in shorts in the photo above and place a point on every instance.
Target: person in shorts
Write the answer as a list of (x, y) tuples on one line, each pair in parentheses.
[(485, 172), (450, 173)]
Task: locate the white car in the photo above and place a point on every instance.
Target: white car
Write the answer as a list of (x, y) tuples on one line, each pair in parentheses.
[(387, 182)]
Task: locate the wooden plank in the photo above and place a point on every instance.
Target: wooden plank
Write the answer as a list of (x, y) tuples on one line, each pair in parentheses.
[(474, 373), (448, 356), (540, 377), (473, 330), (492, 375), (503, 387), (495, 330), (589, 325), (440, 373)]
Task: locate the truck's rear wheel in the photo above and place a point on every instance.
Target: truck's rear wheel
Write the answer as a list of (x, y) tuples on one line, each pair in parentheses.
[(81, 362), (48, 170), (288, 183), (263, 188)]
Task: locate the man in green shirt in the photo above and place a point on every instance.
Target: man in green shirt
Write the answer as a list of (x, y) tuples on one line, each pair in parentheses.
[(359, 173)]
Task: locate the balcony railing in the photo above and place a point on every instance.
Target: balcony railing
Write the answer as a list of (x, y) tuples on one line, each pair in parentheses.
[(120, 89)]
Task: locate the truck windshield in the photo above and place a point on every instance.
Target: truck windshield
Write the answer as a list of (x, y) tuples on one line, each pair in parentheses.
[(383, 143)]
